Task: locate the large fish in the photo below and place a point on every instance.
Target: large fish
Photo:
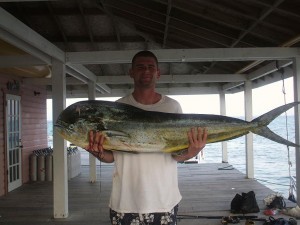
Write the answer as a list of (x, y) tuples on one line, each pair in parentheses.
[(130, 129)]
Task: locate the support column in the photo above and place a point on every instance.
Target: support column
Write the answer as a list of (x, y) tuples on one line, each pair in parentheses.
[(249, 137), (296, 71), (223, 113), (60, 172), (92, 159)]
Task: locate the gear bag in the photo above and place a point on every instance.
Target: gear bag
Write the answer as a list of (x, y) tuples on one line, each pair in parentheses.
[(245, 203)]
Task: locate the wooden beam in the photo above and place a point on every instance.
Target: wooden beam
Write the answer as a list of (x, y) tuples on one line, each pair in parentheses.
[(82, 93), (18, 34), (185, 55), (20, 60), (164, 79)]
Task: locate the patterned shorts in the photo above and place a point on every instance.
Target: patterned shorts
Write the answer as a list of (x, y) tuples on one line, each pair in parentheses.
[(165, 218)]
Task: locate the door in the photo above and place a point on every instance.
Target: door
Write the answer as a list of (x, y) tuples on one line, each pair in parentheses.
[(13, 141)]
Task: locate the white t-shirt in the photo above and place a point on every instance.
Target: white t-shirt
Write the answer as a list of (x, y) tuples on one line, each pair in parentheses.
[(145, 182)]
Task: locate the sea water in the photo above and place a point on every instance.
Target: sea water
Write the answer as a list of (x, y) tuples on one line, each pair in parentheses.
[(273, 163)]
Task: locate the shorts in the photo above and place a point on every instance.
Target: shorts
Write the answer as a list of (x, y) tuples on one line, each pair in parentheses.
[(164, 218)]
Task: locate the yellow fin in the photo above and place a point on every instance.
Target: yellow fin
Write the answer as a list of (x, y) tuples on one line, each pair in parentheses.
[(115, 133)]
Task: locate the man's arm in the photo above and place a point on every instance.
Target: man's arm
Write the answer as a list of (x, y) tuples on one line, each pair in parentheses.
[(104, 156)]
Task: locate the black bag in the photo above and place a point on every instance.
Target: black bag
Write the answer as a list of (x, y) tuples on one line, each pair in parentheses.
[(245, 203), (277, 203), (236, 204)]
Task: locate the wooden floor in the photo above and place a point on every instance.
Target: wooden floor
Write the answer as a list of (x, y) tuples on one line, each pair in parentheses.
[(206, 191)]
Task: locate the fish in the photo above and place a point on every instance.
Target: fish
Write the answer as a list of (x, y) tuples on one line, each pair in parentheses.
[(130, 129)]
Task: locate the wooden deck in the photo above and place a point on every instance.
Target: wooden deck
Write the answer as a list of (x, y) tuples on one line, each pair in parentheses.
[(206, 191)]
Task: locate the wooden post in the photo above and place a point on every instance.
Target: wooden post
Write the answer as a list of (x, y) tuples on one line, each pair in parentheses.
[(92, 159), (60, 172), (296, 70), (223, 113), (249, 137)]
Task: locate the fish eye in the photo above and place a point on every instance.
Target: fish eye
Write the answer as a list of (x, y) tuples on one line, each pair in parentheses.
[(71, 126)]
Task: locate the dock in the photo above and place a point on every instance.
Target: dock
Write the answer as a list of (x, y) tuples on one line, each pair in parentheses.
[(207, 190)]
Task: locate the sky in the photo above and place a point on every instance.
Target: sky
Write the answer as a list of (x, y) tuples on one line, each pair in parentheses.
[(264, 99)]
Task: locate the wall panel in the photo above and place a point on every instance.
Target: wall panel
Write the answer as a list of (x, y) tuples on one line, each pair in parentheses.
[(34, 123)]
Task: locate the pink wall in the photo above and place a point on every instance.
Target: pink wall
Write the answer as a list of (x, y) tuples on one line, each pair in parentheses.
[(34, 124)]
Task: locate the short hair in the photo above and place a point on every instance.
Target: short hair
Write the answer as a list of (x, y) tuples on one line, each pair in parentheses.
[(144, 54)]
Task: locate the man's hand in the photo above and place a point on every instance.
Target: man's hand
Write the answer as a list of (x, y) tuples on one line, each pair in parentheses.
[(95, 147), (197, 140), (96, 140)]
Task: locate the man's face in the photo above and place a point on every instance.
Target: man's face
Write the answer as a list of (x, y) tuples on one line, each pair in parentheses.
[(145, 72)]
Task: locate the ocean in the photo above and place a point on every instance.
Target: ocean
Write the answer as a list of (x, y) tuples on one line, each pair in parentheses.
[(270, 158)]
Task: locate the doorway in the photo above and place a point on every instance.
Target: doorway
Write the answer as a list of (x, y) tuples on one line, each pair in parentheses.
[(13, 141)]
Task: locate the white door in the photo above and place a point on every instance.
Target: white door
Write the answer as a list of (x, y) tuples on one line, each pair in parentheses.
[(13, 141)]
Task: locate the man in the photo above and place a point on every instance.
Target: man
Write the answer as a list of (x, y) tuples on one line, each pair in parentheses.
[(145, 186)]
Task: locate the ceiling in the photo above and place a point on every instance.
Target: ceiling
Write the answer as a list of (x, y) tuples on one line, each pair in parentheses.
[(121, 26)]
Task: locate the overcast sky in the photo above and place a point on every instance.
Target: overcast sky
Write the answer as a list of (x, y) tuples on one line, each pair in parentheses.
[(264, 99)]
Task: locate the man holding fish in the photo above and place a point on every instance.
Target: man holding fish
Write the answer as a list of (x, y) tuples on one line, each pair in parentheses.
[(145, 185)]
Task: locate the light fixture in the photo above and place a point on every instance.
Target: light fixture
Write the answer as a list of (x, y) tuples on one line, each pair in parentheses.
[(36, 93)]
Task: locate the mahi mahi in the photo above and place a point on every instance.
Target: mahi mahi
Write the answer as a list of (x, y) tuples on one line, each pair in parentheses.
[(131, 129)]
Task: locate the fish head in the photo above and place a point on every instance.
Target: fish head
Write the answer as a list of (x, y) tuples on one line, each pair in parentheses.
[(75, 122)]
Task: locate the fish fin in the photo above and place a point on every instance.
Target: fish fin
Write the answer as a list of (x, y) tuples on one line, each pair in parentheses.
[(180, 152), (216, 138), (174, 145), (115, 133), (267, 118), (131, 152), (174, 149), (118, 134), (267, 133)]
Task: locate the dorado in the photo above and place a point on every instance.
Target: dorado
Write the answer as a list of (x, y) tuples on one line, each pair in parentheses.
[(130, 129)]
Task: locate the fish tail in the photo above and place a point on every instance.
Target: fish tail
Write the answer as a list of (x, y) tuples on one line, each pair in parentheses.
[(267, 133), (267, 118)]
